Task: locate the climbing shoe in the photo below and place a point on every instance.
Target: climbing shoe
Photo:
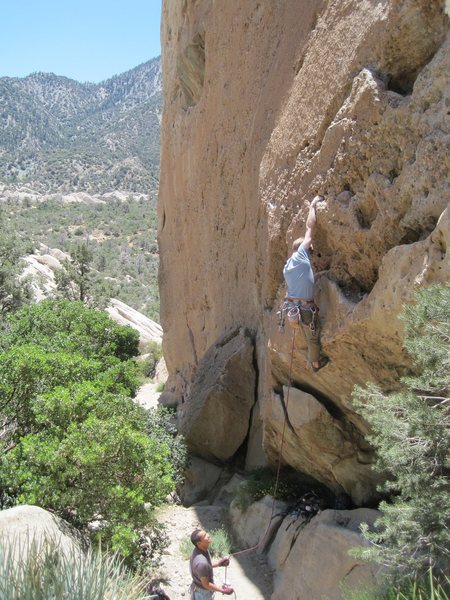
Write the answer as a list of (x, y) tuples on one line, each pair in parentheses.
[(322, 362)]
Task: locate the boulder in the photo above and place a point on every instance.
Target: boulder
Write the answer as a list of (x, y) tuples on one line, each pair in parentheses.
[(312, 560), (22, 527), (229, 490), (258, 524), (161, 371), (200, 478), (121, 313), (215, 417), (40, 270)]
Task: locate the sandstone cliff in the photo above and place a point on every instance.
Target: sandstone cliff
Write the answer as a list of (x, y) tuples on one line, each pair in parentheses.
[(265, 105)]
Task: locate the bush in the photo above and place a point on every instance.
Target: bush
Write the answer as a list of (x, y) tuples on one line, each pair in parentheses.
[(70, 326), (96, 465), (220, 544), (411, 433), (160, 426), (186, 548), (73, 440), (28, 373), (426, 588), (50, 574), (261, 482)]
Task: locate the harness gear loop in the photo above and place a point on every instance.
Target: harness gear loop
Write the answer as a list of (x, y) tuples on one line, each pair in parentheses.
[(298, 313), (285, 307)]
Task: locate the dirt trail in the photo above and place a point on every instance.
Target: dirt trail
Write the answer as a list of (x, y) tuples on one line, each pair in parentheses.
[(248, 573)]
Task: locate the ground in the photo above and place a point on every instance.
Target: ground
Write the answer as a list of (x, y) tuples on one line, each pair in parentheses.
[(248, 573), (147, 395)]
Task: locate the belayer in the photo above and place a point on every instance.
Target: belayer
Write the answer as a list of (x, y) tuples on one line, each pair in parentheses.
[(299, 304), (203, 586)]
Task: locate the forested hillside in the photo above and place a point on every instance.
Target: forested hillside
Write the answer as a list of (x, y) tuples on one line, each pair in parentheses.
[(79, 162), (59, 135)]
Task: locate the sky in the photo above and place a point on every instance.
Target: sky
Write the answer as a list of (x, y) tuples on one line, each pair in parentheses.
[(86, 40)]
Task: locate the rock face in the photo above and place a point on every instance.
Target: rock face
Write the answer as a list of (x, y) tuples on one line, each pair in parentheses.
[(251, 526), (265, 105), (316, 442), (309, 557), (300, 575)]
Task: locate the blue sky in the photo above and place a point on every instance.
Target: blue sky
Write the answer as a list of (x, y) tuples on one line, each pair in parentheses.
[(86, 40)]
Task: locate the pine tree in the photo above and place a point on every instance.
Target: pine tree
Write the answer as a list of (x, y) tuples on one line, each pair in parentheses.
[(411, 433), (14, 292), (77, 280)]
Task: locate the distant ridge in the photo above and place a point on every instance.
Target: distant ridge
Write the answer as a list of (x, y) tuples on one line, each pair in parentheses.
[(59, 135)]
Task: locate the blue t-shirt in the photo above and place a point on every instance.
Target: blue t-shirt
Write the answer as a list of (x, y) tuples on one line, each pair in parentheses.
[(299, 275)]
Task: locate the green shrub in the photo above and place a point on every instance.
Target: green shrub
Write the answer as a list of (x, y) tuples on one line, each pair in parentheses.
[(220, 544), (186, 548), (160, 425), (74, 440), (100, 465), (411, 433), (69, 326), (426, 588), (261, 482), (49, 574)]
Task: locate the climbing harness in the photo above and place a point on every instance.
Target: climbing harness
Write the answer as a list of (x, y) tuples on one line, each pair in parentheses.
[(298, 313)]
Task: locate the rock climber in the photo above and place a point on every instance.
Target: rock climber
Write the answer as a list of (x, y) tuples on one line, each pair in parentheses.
[(203, 586), (299, 302)]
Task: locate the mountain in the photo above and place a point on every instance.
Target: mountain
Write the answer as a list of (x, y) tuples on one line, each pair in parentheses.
[(59, 135)]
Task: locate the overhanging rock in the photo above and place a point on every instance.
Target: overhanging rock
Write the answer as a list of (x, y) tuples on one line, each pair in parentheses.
[(320, 445)]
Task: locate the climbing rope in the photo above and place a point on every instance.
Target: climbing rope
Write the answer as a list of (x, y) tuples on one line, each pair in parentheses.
[(280, 454)]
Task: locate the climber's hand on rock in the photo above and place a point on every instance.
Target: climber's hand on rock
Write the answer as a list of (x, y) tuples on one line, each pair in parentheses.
[(316, 199)]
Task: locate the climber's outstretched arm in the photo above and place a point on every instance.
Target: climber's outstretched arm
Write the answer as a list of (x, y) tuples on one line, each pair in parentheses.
[(311, 222)]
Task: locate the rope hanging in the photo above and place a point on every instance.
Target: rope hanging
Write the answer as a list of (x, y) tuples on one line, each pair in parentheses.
[(280, 454)]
